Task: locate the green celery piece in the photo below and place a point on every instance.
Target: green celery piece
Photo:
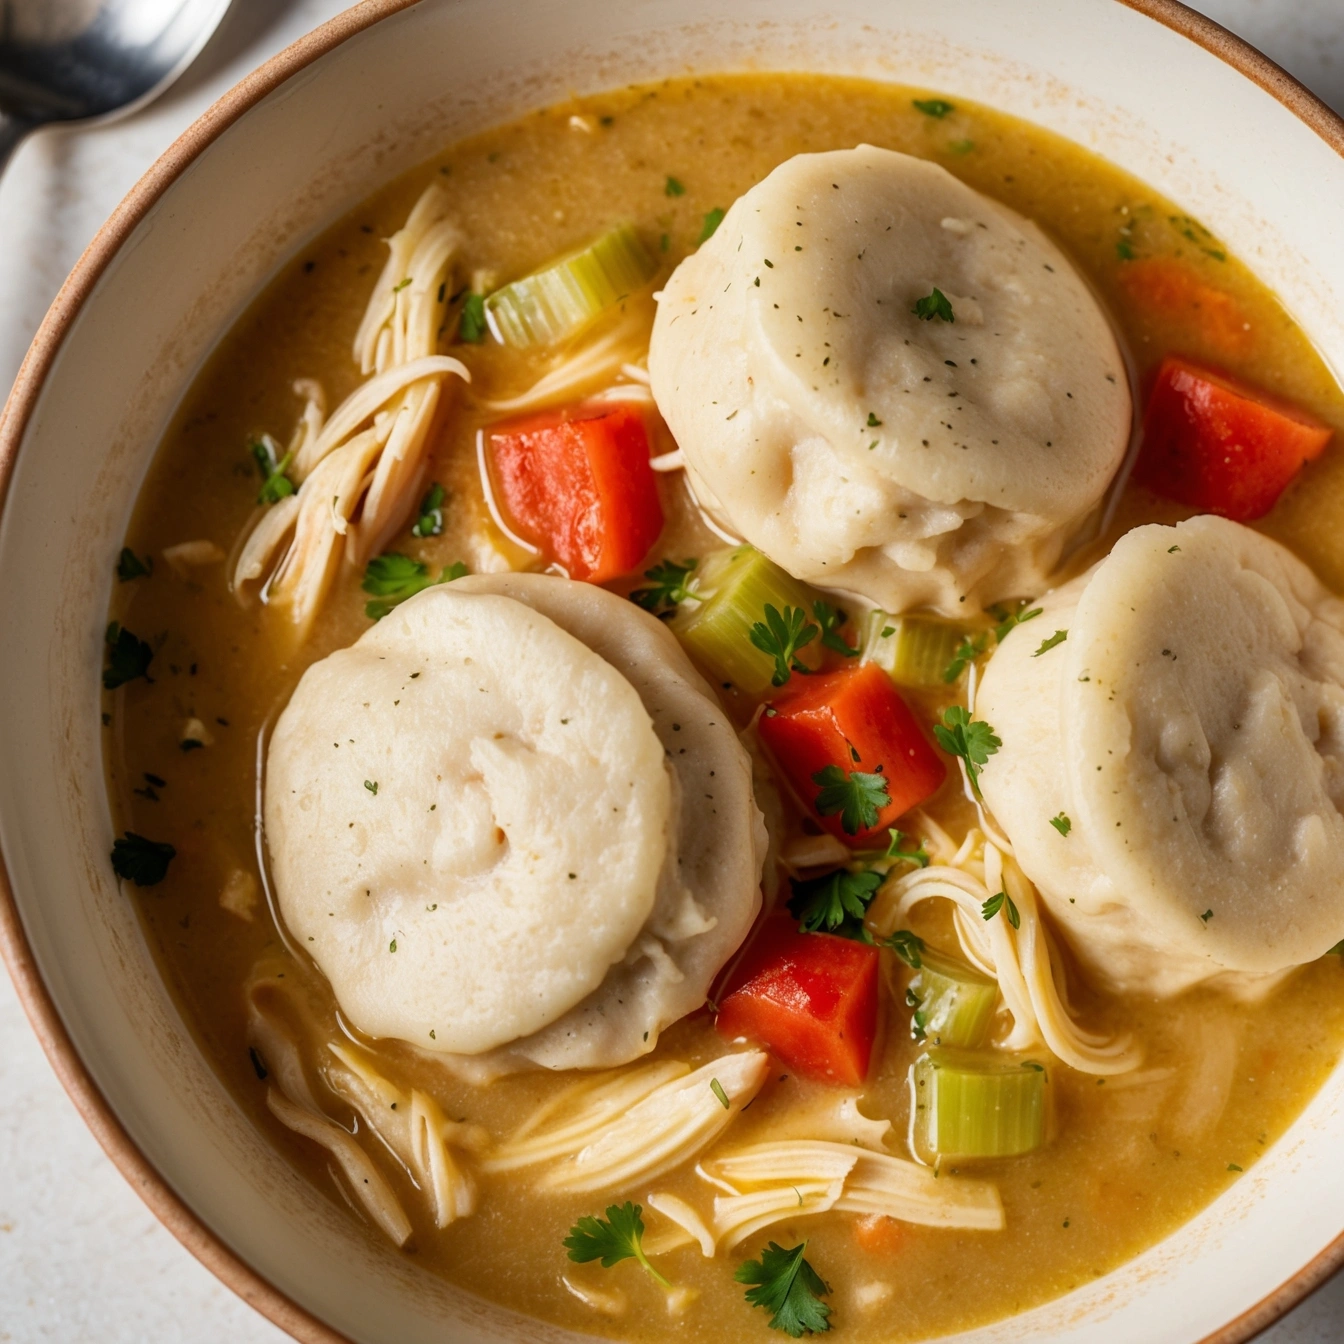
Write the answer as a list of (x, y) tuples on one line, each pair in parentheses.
[(956, 1002), (736, 586), (918, 650), (976, 1105), (564, 297)]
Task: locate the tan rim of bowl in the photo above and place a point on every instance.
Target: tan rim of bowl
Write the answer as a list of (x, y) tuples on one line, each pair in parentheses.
[(181, 1221)]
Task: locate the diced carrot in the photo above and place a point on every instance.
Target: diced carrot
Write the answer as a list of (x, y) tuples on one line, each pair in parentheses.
[(879, 1234), (577, 485), (1216, 445), (855, 721), (810, 998), (1172, 289)]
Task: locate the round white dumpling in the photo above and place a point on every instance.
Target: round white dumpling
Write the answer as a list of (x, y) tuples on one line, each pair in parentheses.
[(477, 822), (913, 462), (1188, 735)]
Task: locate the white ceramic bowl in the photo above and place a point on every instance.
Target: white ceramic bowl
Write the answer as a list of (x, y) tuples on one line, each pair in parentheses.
[(1146, 83)]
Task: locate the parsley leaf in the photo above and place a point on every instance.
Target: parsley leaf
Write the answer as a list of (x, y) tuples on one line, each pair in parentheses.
[(831, 619), (908, 946), (131, 566), (1008, 619), (394, 578), (430, 521), (967, 652), (619, 1236), (934, 305), (1062, 824), (275, 485), (128, 657), (856, 795), (673, 188), (789, 1288), (144, 862), (712, 221), (782, 635), (1047, 644), (1001, 901), (934, 107), (669, 585), (919, 856), (471, 323), (835, 903), (971, 739)]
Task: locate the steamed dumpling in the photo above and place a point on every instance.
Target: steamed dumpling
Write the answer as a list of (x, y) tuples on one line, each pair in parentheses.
[(912, 462), (1191, 729), (561, 849)]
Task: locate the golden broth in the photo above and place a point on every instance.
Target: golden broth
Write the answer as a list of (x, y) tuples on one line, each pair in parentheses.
[(1127, 1164)]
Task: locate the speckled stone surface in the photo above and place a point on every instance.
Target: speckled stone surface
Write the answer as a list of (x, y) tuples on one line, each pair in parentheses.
[(80, 1257)]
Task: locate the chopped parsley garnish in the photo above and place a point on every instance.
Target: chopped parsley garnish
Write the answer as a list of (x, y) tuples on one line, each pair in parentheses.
[(669, 585), (1206, 916), (401, 284), (934, 107), (830, 619), (131, 566), (908, 946), (856, 795), (1062, 823), (275, 485), (919, 856), (1008, 620), (835, 903), (392, 578), (144, 862), (781, 636), (1001, 901), (673, 187), (372, 786), (967, 652), (1232, 1166), (128, 657), (973, 740), (471, 323), (619, 1236), (430, 521), (716, 1088), (934, 305), (873, 421), (1047, 644), (789, 1288), (1124, 249), (713, 219)]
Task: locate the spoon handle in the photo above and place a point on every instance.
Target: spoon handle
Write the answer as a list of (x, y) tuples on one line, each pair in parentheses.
[(12, 131)]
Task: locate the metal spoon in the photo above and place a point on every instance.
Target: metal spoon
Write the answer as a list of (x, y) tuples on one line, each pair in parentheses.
[(85, 60)]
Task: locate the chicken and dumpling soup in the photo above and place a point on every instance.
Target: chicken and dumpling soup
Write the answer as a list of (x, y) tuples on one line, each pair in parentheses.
[(725, 706)]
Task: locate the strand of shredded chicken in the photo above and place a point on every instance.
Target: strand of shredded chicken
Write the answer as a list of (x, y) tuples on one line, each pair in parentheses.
[(359, 472)]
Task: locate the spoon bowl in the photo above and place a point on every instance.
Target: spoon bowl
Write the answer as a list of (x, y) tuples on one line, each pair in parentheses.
[(91, 60)]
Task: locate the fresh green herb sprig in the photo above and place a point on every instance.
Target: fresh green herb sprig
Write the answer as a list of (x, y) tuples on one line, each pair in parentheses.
[(131, 566), (967, 651), (919, 856), (789, 1288), (429, 523), (669, 586), (275, 485), (1047, 644), (783, 635), (830, 619), (857, 795), (835, 903), (1009, 618), (973, 740), (934, 305), (128, 657), (140, 860), (908, 946), (1001, 901), (392, 578), (619, 1236)]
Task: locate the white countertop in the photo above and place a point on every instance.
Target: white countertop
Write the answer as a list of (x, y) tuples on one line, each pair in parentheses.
[(80, 1257)]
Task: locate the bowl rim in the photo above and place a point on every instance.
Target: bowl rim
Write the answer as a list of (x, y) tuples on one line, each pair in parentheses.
[(44, 1017)]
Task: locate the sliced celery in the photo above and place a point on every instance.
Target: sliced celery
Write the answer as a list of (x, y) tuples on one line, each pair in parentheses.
[(955, 1003), (970, 1105), (565, 296), (913, 650), (736, 587)]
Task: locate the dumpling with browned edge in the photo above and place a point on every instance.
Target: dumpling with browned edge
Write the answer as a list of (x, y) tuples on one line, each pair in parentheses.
[(1172, 763), (890, 383), (511, 823)]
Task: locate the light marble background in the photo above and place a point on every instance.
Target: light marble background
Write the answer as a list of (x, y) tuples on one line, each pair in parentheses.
[(80, 1257)]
